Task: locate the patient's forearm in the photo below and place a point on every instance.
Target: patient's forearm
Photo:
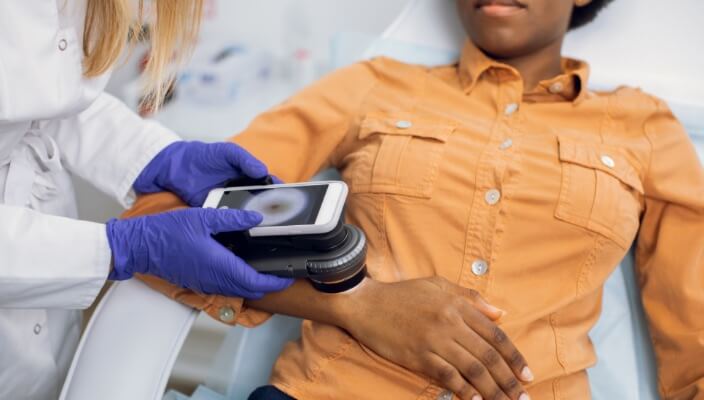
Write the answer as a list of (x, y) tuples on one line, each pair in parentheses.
[(301, 300)]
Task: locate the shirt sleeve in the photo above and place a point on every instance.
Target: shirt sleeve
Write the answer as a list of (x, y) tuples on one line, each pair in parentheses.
[(670, 257), (41, 265), (109, 145), (295, 140), (300, 137)]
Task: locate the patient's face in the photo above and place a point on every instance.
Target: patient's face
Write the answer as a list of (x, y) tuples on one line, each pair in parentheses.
[(514, 28)]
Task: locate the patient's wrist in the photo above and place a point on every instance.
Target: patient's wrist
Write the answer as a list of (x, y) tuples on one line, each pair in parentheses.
[(353, 304)]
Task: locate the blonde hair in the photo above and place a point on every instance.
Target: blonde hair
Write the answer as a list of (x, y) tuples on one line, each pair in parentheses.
[(110, 25)]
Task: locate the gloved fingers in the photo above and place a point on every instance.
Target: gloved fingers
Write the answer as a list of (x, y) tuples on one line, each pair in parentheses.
[(270, 283), (198, 198), (241, 159), (276, 180), (218, 221), (254, 281)]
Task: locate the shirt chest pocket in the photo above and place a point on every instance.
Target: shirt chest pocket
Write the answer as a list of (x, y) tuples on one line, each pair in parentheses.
[(399, 156), (600, 191)]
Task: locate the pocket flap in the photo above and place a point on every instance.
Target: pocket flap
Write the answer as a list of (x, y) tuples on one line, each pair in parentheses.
[(595, 156), (402, 126)]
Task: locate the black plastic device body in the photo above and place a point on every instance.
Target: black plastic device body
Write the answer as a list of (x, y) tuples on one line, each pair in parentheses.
[(334, 262)]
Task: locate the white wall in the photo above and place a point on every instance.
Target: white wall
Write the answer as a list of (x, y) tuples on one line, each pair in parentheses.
[(262, 22), (659, 46)]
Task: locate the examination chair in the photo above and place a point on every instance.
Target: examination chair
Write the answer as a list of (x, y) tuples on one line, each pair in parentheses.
[(134, 337)]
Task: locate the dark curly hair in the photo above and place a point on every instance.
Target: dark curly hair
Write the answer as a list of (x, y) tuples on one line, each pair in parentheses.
[(584, 15)]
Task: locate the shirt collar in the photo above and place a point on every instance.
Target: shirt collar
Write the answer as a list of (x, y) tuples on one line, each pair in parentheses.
[(570, 86)]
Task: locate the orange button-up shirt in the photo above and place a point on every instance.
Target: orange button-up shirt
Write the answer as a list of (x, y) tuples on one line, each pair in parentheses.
[(532, 199)]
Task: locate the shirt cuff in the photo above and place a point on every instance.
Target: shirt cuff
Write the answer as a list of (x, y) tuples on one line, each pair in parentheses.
[(228, 310), (233, 311)]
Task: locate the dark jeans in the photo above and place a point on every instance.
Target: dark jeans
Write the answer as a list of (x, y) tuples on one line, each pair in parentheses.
[(269, 393)]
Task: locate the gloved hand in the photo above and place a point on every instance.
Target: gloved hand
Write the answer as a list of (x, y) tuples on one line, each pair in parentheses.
[(177, 246), (192, 169)]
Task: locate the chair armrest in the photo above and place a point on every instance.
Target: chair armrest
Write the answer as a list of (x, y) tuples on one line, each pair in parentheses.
[(129, 346)]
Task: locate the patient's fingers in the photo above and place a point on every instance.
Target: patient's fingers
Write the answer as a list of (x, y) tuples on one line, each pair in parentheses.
[(492, 312), (475, 372), (450, 378), (473, 297), (496, 374), (497, 339)]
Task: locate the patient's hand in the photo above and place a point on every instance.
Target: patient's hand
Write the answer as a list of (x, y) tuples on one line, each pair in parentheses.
[(439, 329)]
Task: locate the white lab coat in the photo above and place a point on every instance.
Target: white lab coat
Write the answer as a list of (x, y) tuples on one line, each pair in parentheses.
[(54, 123)]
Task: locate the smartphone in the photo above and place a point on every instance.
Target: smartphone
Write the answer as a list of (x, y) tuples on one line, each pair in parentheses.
[(288, 209)]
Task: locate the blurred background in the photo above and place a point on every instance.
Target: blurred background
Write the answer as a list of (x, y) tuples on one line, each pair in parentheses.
[(251, 56)]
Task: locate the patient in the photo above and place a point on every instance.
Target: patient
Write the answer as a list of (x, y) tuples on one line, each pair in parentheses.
[(499, 180)]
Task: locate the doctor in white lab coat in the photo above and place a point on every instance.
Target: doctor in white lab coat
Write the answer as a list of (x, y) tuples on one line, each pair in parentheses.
[(55, 122)]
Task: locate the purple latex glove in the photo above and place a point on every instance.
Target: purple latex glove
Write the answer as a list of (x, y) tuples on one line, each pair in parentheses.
[(178, 246), (192, 169)]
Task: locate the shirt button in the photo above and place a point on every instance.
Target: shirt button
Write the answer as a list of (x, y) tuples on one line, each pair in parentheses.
[(63, 44), (556, 88), (446, 395), (511, 109), (227, 314), (37, 329), (492, 197), (608, 161), (404, 124), (507, 144), (480, 268)]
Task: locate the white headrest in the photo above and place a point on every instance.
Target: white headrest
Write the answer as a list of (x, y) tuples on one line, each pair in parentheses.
[(653, 44)]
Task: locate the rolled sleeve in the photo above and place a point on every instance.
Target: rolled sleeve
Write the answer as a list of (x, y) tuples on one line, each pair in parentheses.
[(228, 310)]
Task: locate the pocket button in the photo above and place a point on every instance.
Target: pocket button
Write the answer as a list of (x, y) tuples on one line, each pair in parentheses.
[(608, 161), (511, 109), (404, 124)]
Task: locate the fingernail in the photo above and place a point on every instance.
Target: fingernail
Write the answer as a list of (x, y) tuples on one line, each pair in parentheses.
[(496, 310), (491, 308), (501, 312), (477, 397), (524, 396), (527, 375)]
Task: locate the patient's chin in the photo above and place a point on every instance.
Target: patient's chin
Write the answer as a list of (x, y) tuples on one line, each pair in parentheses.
[(501, 47), (502, 43)]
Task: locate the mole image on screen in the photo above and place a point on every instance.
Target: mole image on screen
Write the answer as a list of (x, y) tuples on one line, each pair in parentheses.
[(279, 206)]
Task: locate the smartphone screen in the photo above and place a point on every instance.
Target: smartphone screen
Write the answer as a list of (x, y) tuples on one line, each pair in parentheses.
[(279, 206)]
